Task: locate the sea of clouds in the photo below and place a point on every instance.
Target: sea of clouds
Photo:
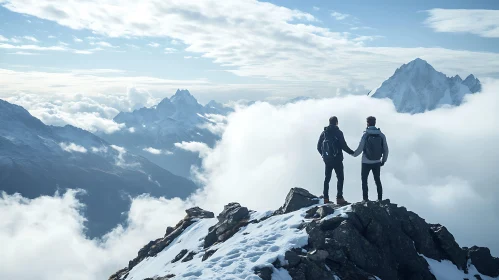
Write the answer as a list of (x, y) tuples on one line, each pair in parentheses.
[(442, 165)]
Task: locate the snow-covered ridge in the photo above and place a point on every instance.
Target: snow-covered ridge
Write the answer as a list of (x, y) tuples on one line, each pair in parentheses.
[(417, 87), (306, 239)]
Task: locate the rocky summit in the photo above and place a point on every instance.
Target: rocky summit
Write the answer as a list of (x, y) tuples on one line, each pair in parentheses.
[(307, 240)]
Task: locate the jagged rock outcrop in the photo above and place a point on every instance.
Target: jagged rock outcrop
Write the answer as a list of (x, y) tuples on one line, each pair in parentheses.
[(298, 198), (359, 241), (483, 260), (233, 217)]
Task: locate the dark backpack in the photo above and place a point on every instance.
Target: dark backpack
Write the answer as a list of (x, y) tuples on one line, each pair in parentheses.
[(373, 148), (330, 146)]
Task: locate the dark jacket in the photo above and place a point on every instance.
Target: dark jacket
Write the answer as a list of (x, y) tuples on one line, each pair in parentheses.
[(333, 131)]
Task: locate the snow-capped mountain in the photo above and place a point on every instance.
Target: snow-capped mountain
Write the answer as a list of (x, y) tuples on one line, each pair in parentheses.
[(417, 87), (153, 132), (308, 240), (36, 159)]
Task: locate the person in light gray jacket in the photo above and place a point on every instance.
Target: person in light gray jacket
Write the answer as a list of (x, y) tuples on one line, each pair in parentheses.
[(374, 150)]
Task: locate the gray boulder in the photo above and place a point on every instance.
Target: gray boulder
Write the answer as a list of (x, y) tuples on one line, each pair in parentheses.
[(298, 198), (230, 220), (197, 212)]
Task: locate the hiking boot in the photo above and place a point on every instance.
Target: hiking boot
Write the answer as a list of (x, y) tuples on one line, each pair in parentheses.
[(365, 199), (341, 201), (326, 200)]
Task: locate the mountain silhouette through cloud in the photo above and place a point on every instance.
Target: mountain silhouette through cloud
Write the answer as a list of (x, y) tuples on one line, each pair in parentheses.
[(417, 87)]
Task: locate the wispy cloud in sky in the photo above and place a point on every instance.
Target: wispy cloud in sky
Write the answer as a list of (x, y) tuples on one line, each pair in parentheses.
[(170, 50), (484, 23), (31, 38), (339, 16), (103, 44), (58, 48), (24, 53)]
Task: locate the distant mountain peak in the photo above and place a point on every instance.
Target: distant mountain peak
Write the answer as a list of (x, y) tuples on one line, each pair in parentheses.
[(176, 119), (418, 61), (183, 96), (417, 64), (417, 87), (457, 78), (470, 76), (473, 83), (183, 92)]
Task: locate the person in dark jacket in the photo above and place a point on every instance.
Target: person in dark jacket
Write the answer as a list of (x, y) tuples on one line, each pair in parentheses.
[(335, 163), (372, 164)]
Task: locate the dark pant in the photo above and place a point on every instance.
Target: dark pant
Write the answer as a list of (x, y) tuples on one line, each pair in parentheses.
[(338, 169), (366, 168)]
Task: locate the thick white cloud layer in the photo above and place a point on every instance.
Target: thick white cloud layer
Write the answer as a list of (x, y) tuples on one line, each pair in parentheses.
[(42, 238), (442, 165), (483, 23)]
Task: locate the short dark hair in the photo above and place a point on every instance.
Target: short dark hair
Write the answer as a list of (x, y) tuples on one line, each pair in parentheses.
[(333, 120), (371, 121)]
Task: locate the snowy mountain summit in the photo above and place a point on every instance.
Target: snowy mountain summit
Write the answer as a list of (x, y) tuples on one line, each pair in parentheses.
[(308, 240), (175, 119), (417, 87)]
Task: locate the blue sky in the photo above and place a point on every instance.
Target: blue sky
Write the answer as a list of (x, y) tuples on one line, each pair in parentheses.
[(232, 50)]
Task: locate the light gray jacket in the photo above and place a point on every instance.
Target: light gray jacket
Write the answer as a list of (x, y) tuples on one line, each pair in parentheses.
[(360, 149)]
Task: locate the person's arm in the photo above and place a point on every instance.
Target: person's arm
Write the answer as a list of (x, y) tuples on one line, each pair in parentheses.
[(344, 145), (360, 148), (385, 149), (319, 144)]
